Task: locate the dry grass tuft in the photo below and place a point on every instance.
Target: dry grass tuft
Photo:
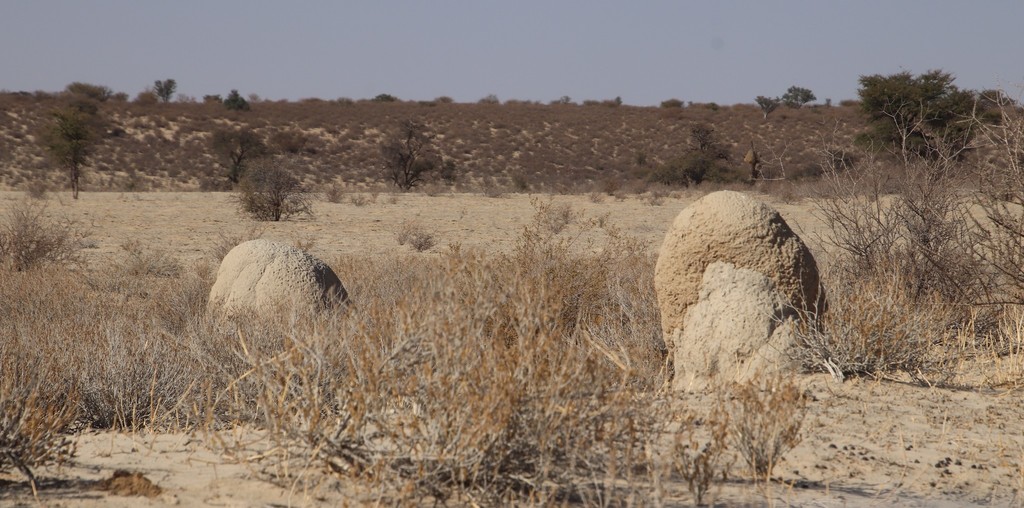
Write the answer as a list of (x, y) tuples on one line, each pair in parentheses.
[(413, 234), (766, 414), (699, 452)]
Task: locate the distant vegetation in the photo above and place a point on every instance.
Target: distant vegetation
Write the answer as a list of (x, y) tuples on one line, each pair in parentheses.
[(152, 143)]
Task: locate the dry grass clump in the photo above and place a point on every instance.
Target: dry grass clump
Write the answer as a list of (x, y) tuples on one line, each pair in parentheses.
[(606, 298), (33, 421), (119, 341), (766, 414), (877, 326), (434, 401), (226, 242), (471, 377), (140, 261), (28, 238), (699, 457), (414, 235), (1002, 354)]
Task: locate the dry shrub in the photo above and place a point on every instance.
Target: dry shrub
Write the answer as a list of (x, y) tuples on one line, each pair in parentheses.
[(358, 199), (32, 421), (878, 326), (554, 218), (142, 261), (413, 234), (1002, 200), (334, 193), (655, 198), (699, 451), (122, 350), (468, 377), (471, 378), (270, 192), (766, 414), (433, 403), (910, 218), (611, 186), (291, 141), (37, 189), (28, 238), (492, 188)]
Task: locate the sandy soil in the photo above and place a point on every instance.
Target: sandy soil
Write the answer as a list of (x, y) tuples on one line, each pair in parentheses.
[(188, 225), (866, 443)]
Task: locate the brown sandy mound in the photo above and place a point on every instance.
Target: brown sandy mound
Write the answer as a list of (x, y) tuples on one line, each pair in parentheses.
[(124, 483)]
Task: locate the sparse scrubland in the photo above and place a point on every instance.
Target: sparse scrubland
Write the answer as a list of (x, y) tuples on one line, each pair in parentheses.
[(517, 146), (529, 366)]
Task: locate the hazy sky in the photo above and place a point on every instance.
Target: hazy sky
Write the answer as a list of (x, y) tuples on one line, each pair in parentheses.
[(644, 51)]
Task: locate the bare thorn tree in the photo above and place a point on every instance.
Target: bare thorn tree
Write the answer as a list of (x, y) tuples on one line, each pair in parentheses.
[(1002, 196), (408, 155)]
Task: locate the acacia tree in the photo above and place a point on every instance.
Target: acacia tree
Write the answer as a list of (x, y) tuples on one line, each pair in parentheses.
[(767, 104), (923, 116), (235, 148), (408, 155), (165, 89), (235, 102), (69, 141), (98, 93), (796, 97)]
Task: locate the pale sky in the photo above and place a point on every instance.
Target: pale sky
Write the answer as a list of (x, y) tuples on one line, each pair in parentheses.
[(644, 51)]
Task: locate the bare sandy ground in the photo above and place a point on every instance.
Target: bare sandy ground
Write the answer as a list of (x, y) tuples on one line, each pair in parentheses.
[(866, 443), (188, 225)]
